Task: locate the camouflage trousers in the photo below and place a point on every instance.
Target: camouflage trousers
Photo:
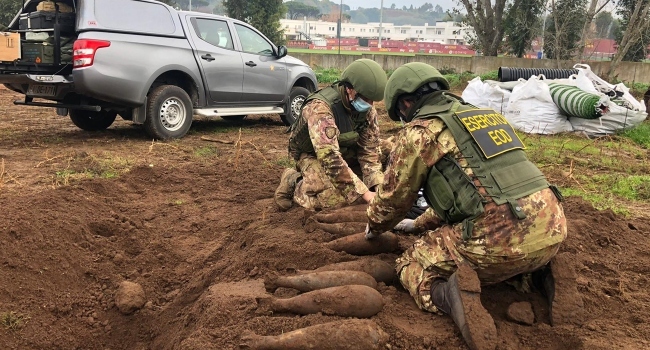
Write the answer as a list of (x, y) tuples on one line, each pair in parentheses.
[(315, 191), (499, 247)]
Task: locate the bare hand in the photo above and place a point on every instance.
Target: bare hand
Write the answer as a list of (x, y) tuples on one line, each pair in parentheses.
[(368, 196)]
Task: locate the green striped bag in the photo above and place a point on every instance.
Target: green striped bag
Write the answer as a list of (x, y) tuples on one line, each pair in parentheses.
[(574, 102)]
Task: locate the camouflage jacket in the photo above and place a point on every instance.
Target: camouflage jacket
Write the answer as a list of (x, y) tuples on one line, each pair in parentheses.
[(324, 133), (418, 147), (414, 153)]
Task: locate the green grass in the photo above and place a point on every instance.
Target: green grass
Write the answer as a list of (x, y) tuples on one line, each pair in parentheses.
[(609, 172), (640, 134), (327, 75), (457, 81), (206, 152), (285, 162), (359, 53), (599, 201), (105, 166), (12, 320)]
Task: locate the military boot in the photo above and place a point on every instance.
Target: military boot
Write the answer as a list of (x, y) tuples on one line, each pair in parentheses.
[(284, 193), (557, 281), (460, 297)]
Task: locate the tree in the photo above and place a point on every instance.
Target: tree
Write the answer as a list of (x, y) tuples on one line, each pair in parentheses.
[(8, 10), (633, 36), (262, 14), (594, 8), (487, 21), (358, 17), (392, 6), (426, 7), (296, 10), (564, 28), (439, 9), (605, 24), (522, 24)]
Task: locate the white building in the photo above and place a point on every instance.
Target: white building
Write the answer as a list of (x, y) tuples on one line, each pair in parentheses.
[(449, 33)]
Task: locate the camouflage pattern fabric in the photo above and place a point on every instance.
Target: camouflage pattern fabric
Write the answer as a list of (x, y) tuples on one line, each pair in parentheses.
[(385, 147), (327, 177), (429, 220), (500, 246)]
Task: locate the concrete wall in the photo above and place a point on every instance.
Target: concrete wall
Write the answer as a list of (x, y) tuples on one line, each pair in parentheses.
[(628, 72)]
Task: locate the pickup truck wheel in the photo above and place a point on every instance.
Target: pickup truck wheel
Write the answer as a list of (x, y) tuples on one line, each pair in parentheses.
[(294, 104), (169, 113), (91, 120)]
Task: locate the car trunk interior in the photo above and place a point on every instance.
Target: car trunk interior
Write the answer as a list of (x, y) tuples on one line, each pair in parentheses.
[(41, 38)]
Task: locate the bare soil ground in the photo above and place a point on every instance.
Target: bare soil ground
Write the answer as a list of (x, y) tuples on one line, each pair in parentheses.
[(193, 222)]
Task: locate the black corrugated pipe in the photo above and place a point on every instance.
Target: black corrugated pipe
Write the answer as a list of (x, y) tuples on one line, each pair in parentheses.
[(513, 74)]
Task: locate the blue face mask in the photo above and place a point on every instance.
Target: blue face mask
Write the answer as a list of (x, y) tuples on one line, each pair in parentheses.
[(360, 105)]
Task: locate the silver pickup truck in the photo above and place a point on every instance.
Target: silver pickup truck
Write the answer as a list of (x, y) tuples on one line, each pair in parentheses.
[(149, 63)]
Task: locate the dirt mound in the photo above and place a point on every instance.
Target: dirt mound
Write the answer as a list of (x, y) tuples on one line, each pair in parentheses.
[(200, 243), (192, 223)]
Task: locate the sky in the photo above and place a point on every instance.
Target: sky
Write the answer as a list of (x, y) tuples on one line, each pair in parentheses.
[(446, 4)]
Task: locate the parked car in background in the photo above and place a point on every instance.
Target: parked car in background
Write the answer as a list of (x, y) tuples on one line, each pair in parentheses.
[(93, 60)]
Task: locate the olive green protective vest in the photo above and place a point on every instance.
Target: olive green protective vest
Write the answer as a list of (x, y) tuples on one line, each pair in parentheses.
[(350, 125), (494, 153)]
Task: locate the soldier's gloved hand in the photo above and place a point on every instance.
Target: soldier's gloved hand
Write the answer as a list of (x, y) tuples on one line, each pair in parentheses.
[(406, 225), (370, 234)]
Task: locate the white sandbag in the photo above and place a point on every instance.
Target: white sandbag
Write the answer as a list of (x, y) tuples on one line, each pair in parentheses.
[(619, 93), (482, 94), (498, 98), (532, 110), (571, 80), (505, 85), (474, 93), (584, 83), (617, 119)]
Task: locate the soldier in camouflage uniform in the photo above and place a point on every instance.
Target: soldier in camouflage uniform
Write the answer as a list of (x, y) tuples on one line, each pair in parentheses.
[(492, 213), (337, 131)]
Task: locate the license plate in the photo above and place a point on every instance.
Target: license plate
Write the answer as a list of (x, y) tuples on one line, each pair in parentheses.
[(41, 90)]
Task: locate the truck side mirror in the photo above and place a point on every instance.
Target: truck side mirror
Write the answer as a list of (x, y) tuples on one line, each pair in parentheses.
[(282, 51)]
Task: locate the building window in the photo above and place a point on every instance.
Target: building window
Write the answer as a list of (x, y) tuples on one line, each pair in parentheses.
[(439, 32), (403, 31), (331, 29), (388, 31)]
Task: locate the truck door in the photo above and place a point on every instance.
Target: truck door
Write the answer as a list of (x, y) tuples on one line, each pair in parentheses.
[(265, 76), (221, 64)]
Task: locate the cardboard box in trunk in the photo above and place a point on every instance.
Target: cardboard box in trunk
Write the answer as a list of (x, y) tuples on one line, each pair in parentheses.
[(9, 46)]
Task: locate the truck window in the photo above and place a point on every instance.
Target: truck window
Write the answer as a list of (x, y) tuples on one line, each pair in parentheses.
[(213, 32), (252, 42), (129, 15)]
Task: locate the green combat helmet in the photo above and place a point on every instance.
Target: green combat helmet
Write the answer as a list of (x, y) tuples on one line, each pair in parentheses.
[(406, 80), (366, 77)]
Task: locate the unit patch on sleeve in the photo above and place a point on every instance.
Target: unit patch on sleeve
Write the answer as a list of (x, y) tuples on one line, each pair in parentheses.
[(491, 131)]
